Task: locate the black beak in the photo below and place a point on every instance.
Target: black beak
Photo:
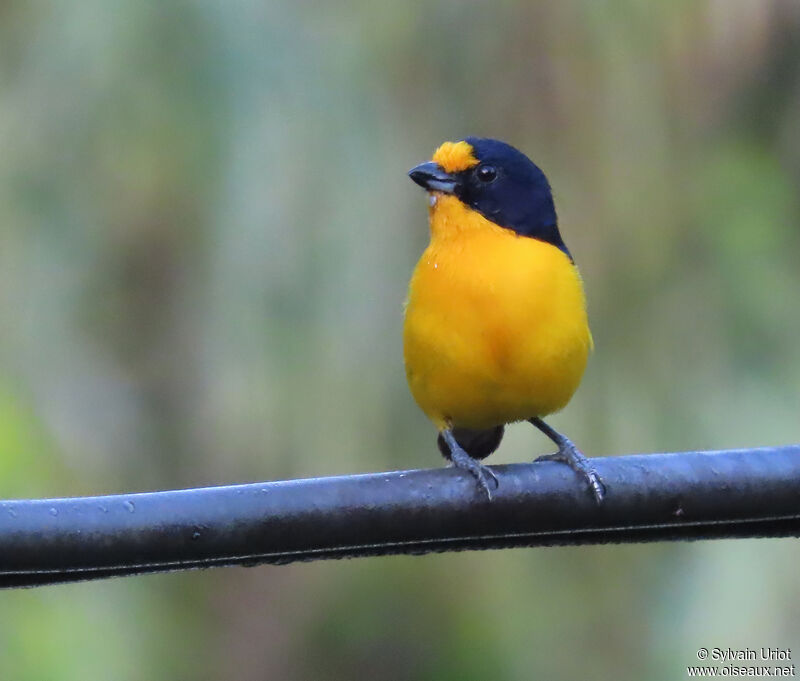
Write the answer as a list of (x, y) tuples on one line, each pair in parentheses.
[(430, 176)]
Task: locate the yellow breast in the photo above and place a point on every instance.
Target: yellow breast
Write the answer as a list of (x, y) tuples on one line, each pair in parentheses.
[(495, 325)]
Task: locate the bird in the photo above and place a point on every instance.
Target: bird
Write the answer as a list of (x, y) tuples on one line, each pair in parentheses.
[(495, 328)]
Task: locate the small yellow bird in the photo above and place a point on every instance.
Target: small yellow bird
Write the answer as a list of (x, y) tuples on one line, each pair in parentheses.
[(495, 323)]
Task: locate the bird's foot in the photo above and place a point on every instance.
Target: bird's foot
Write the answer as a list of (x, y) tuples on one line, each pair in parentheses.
[(569, 454), (482, 474)]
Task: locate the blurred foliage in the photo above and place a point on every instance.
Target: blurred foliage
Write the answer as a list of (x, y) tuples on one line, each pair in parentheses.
[(205, 237)]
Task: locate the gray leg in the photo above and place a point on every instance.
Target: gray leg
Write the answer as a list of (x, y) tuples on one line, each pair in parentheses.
[(569, 454), (464, 461)]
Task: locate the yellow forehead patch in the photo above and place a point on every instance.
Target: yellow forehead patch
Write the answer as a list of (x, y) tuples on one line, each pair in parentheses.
[(454, 157)]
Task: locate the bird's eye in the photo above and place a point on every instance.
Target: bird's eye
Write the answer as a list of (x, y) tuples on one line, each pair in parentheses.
[(486, 173)]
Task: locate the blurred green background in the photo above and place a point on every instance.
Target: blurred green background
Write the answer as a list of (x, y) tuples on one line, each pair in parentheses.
[(206, 231)]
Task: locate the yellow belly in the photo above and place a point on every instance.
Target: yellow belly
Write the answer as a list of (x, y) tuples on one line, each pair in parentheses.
[(495, 325)]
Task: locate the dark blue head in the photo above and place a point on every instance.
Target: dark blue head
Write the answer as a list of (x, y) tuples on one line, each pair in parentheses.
[(499, 182)]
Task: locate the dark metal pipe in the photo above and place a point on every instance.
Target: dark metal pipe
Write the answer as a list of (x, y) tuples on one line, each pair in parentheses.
[(656, 497)]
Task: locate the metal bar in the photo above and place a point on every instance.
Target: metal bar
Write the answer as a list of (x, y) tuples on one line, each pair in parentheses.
[(656, 497)]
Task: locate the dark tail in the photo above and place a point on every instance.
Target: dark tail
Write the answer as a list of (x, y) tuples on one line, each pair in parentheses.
[(477, 443)]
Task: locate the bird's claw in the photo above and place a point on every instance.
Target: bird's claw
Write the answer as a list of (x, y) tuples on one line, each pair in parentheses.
[(580, 464), (482, 474), (595, 484), (461, 459)]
